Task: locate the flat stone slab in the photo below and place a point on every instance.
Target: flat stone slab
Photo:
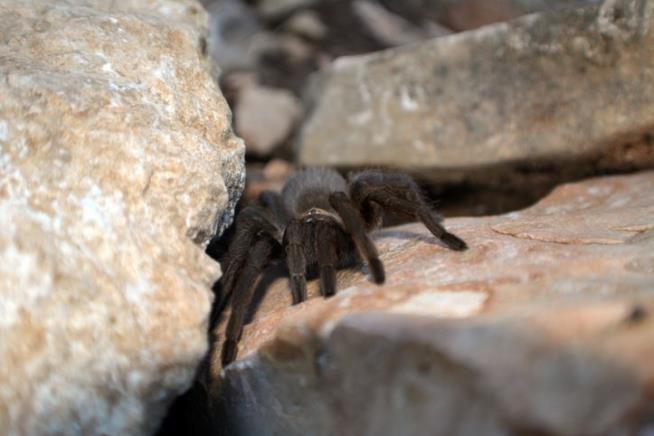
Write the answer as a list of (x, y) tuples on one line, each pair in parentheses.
[(544, 325), (557, 94)]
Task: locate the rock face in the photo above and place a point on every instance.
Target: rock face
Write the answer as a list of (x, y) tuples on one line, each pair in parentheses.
[(543, 326), (565, 93), (117, 165)]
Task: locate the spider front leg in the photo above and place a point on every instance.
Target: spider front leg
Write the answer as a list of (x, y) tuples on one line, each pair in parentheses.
[(326, 255), (355, 226), (295, 260), (258, 257), (398, 192)]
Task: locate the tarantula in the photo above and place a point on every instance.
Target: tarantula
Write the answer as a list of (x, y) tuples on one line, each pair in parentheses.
[(319, 224)]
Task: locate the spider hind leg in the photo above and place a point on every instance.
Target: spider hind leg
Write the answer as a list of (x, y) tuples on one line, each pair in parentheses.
[(255, 243), (400, 193), (249, 223)]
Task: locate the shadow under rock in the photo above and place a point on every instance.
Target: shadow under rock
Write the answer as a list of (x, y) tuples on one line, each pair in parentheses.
[(190, 413)]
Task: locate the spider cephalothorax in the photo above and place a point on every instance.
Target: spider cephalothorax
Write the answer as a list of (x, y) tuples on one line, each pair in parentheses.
[(319, 224)]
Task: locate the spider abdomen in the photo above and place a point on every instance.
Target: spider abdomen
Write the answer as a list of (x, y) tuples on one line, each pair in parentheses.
[(310, 189)]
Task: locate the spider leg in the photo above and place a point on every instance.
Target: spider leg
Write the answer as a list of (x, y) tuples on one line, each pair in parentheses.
[(400, 193), (355, 226), (250, 222), (258, 258), (295, 260), (326, 255)]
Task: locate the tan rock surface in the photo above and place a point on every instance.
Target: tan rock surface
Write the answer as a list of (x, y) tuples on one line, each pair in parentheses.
[(546, 96), (117, 164), (544, 325)]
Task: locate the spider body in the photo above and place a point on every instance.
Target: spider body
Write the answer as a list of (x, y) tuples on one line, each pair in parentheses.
[(319, 224), (305, 198)]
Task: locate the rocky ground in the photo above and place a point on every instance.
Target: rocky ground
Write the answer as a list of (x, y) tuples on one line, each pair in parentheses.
[(542, 325), (120, 171)]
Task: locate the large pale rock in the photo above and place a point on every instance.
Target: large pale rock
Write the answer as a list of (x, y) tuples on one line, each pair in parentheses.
[(553, 95), (117, 165), (544, 326), (469, 14)]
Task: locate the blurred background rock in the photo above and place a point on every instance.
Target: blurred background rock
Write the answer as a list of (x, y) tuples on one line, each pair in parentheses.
[(277, 62)]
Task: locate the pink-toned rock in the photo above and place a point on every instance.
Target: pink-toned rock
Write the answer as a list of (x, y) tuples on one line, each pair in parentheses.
[(543, 327)]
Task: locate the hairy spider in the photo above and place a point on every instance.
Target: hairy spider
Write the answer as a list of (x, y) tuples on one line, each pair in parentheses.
[(319, 224)]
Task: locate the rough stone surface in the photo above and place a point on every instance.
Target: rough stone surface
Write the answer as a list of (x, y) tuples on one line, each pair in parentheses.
[(563, 93), (543, 326), (117, 164)]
